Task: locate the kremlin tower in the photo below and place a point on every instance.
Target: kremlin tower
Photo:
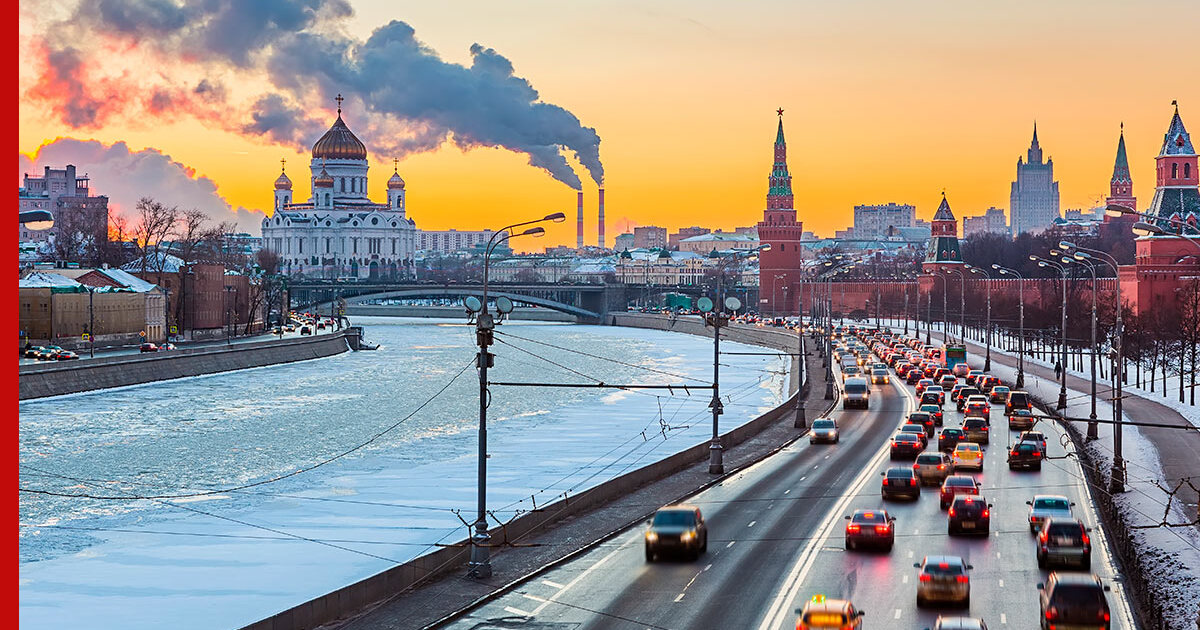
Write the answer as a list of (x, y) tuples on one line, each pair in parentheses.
[(1120, 188), (943, 249), (782, 231)]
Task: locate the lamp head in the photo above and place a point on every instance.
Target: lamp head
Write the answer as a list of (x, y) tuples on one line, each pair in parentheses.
[(1141, 228), (1114, 210), (1033, 258), (1068, 245), (765, 247), (534, 231), (1041, 264), (996, 267), (1081, 256)]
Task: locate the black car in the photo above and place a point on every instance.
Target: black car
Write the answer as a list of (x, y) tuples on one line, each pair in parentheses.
[(975, 430), (924, 419), (930, 398), (900, 482), (949, 438), (870, 528), (1074, 599), (913, 376), (1025, 455), (969, 515), (676, 529), (1017, 400), (906, 446), (964, 394), (1065, 541)]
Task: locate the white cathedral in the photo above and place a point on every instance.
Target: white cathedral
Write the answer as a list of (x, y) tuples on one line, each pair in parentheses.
[(339, 232)]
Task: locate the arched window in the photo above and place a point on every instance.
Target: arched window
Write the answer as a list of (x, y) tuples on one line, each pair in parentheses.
[(1187, 171), (1174, 170)]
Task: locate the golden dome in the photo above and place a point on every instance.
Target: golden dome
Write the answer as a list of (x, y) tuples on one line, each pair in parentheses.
[(339, 143), (283, 182), (395, 181), (324, 180)]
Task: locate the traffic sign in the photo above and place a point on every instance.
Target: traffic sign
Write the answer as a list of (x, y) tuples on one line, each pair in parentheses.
[(142, 334), (86, 336), (174, 330)]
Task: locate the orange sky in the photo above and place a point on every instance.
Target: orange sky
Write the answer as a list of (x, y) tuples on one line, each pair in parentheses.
[(885, 101)]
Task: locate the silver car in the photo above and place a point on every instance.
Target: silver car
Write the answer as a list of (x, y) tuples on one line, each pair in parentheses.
[(1044, 506), (824, 430), (943, 579), (933, 468)]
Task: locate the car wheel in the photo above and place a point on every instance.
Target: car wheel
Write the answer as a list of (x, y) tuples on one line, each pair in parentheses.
[(888, 547), (1037, 466), (950, 530), (704, 545), (966, 602), (920, 602), (848, 545), (1087, 563), (1041, 561), (649, 555)]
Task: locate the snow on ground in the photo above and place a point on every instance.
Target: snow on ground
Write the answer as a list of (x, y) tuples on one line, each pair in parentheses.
[(227, 560)]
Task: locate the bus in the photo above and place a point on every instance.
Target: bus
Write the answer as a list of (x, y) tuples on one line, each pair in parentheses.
[(947, 356)]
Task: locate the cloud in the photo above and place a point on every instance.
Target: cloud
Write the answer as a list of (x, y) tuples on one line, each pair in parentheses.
[(126, 176), (403, 96)]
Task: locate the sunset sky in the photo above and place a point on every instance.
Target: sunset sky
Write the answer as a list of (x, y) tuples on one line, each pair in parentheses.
[(884, 101)]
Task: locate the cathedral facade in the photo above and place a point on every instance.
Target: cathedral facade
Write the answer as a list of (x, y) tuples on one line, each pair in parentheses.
[(339, 232)]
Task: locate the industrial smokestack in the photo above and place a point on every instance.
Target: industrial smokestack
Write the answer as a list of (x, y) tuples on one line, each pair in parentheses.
[(579, 223), (601, 219)]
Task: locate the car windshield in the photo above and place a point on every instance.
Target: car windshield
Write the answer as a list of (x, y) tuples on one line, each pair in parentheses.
[(973, 423), (823, 424), (674, 518), (899, 473), (943, 568), (1086, 596), (930, 408), (855, 388), (929, 459), (1070, 530), (961, 482), (968, 447), (1025, 448), (952, 432), (1052, 504), (906, 437), (869, 517)]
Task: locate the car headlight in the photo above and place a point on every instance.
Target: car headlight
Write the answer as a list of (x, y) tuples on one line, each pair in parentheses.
[(688, 535), (651, 537)]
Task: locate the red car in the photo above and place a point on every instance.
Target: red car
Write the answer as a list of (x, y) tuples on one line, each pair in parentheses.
[(922, 384), (870, 528), (954, 485), (148, 347)]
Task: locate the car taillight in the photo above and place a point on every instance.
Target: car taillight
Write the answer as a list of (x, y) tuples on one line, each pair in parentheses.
[(1043, 537), (926, 578), (962, 579), (986, 513), (1032, 519), (1104, 616), (916, 466), (951, 511), (1086, 540), (941, 467), (1037, 453), (853, 529), (882, 529), (885, 481), (1052, 613), (1014, 453)]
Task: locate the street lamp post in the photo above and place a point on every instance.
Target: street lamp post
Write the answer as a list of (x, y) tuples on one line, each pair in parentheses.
[(480, 565), (987, 362), (945, 319), (1117, 476), (962, 304), (1021, 319), (1062, 270), (228, 339), (91, 324), (1092, 427)]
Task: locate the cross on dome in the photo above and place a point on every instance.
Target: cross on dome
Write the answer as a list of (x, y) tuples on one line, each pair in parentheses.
[(339, 100)]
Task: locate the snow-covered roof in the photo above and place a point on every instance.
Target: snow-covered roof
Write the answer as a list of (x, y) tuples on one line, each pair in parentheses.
[(128, 280), (167, 262), (43, 279), (719, 236)]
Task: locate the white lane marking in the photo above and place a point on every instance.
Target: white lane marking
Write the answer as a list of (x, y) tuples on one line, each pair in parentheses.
[(1004, 619), (910, 553), (679, 597), (997, 554), (904, 580), (581, 576), (916, 531), (804, 477), (707, 567), (517, 611), (751, 523), (789, 489), (731, 543), (816, 467), (897, 615), (826, 457), (1001, 583), (779, 609), (533, 597), (553, 584)]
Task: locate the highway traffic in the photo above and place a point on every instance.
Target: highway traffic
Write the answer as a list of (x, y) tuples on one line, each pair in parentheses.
[(776, 541)]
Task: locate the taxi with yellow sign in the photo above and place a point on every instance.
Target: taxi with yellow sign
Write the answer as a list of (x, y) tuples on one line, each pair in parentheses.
[(821, 613)]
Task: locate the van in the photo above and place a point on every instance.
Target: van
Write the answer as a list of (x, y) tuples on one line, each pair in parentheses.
[(856, 393), (1017, 400)]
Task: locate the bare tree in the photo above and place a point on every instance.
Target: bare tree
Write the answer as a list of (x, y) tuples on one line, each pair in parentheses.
[(155, 223)]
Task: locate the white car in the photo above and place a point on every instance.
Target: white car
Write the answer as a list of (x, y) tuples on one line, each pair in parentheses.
[(824, 430), (1045, 506)]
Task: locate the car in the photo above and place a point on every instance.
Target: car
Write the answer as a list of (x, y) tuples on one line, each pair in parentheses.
[(1044, 506), (923, 418), (967, 455), (999, 394), (1064, 541), (65, 355), (969, 514), (824, 430), (820, 613), (899, 481), (933, 468), (1017, 400), (958, 623), (913, 376), (973, 376), (975, 430), (953, 395), (930, 398), (943, 579), (856, 393), (851, 371), (902, 369), (32, 352), (47, 353), (879, 375), (919, 431), (960, 370), (167, 346), (923, 384), (306, 330), (1020, 419), (947, 381), (148, 347), (963, 395), (955, 485), (1074, 600), (906, 446), (1025, 455), (1037, 437), (986, 383), (676, 528), (289, 328), (949, 438), (870, 528), (936, 389), (978, 406), (934, 411)]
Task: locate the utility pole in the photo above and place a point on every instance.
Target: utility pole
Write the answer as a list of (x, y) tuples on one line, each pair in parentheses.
[(91, 324)]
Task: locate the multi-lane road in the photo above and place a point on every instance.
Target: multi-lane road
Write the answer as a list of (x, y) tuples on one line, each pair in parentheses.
[(776, 533)]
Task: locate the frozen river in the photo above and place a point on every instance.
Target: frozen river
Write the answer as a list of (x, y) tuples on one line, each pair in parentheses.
[(227, 557)]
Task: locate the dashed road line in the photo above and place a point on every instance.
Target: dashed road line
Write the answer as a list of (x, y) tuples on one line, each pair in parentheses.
[(731, 543), (553, 584), (517, 611)]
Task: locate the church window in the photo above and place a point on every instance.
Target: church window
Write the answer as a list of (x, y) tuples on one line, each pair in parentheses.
[(397, 201), (1174, 170), (327, 243), (374, 220), (1187, 171), (354, 245), (300, 246)]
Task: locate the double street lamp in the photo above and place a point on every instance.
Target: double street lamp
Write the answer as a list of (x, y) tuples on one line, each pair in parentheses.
[(1062, 270), (1092, 431), (987, 361), (480, 565), (718, 318), (1005, 271)]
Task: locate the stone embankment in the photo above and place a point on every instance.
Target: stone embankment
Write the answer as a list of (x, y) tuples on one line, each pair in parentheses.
[(56, 379)]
